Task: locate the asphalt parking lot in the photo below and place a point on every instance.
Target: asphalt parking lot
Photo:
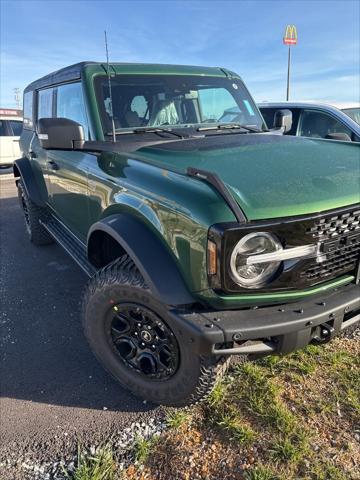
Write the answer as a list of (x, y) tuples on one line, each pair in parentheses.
[(53, 392)]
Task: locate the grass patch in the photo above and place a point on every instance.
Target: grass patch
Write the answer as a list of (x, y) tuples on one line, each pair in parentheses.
[(143, 448), (325, 471), (218, 396), (238, 431), (261, 473), (177, 418), (261, 397), (223, 414), (100, 466), (284, 450)]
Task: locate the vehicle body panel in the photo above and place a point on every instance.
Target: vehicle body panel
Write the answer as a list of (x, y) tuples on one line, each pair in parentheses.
[(177, 207), (272, 176), (69, 189)]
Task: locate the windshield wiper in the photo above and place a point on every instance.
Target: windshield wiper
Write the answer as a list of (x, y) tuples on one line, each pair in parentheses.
[(229, 126), (147, 130)]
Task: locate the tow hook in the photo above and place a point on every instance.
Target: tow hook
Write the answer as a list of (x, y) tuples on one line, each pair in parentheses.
[(323, 334)]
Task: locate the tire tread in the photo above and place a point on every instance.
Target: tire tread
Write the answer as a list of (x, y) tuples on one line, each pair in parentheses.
[(38, 234)]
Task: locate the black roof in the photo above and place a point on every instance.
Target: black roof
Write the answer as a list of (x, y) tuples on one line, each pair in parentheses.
[(72, 72)]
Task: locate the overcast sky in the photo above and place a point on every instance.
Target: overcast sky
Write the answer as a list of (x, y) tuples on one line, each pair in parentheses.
[(38, 37)]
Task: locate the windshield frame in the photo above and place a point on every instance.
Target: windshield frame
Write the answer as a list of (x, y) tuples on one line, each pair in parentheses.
[(101, 81)]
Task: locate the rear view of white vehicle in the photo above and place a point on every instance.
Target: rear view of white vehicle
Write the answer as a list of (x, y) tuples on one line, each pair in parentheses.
[(11, 124)]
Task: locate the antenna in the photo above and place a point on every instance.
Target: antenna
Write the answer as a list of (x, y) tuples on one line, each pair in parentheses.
[(110, 91)]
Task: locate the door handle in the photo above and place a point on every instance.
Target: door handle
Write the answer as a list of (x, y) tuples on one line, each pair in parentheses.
[(32, 154), (53, 165)]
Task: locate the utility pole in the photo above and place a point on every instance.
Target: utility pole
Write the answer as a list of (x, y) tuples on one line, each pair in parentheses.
[(17, 98), (290, 38)]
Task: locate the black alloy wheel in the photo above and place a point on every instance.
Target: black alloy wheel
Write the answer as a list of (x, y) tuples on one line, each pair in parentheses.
[(142, 341)]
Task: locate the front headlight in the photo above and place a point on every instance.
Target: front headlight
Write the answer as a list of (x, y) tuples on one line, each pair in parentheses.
[(250, 275)]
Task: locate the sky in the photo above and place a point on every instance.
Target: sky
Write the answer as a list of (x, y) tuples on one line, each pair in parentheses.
[(38, 37)]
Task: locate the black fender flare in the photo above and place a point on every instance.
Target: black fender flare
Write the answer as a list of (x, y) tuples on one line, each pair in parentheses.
[(155, 262), (22, 168)]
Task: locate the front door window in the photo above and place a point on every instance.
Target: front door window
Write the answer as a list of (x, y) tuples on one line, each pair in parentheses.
[(70, 104), (318, 124)]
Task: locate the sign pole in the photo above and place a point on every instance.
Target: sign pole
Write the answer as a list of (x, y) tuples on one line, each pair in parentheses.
[(288, 75), (290, 38)]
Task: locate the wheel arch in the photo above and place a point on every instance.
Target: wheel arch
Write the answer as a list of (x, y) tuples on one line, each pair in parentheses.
[(154, 260), (22, 169)]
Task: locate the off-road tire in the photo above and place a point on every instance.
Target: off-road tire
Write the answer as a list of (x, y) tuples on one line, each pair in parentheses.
[(37, 233), (121, 281)]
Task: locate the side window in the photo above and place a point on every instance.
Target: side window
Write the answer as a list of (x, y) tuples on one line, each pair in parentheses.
[(3, 129), (28, 110), (70, 104), (16, 127), (45, 103), (318, 124)]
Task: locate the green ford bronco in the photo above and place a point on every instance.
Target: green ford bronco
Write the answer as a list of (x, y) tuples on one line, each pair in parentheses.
[(204, 234)]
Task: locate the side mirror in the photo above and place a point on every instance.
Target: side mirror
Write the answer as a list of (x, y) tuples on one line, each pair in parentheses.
[(60, 134), (338, 136), (283, 120)]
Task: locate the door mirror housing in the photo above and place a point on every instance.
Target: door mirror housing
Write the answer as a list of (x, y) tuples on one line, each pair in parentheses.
[(283, 120), (60, 134), (338, 136)]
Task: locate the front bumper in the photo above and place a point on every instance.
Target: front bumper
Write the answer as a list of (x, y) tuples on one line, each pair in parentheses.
[(276, 329)]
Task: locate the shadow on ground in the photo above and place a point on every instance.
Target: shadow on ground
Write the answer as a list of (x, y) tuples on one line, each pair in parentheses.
[(44, 355)]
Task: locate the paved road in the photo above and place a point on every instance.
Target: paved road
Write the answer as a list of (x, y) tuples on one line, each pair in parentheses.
[(52, 389)]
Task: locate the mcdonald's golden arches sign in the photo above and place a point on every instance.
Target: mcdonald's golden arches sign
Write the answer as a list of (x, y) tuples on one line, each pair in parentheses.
[(290, 37)]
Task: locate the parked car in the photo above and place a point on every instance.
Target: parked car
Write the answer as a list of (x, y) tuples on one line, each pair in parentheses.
[(318, 120), (10, 131), (202, 238)]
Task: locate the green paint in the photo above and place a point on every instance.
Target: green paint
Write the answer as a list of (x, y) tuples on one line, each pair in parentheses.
[(291, 176)]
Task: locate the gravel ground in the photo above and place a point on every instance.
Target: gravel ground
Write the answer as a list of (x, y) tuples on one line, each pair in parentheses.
[(53, 392)]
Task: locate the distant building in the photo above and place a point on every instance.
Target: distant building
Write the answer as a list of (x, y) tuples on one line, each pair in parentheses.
[(11, 112)]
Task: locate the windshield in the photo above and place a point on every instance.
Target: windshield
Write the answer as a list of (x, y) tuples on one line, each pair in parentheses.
[(174, 101), (353, 113)]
